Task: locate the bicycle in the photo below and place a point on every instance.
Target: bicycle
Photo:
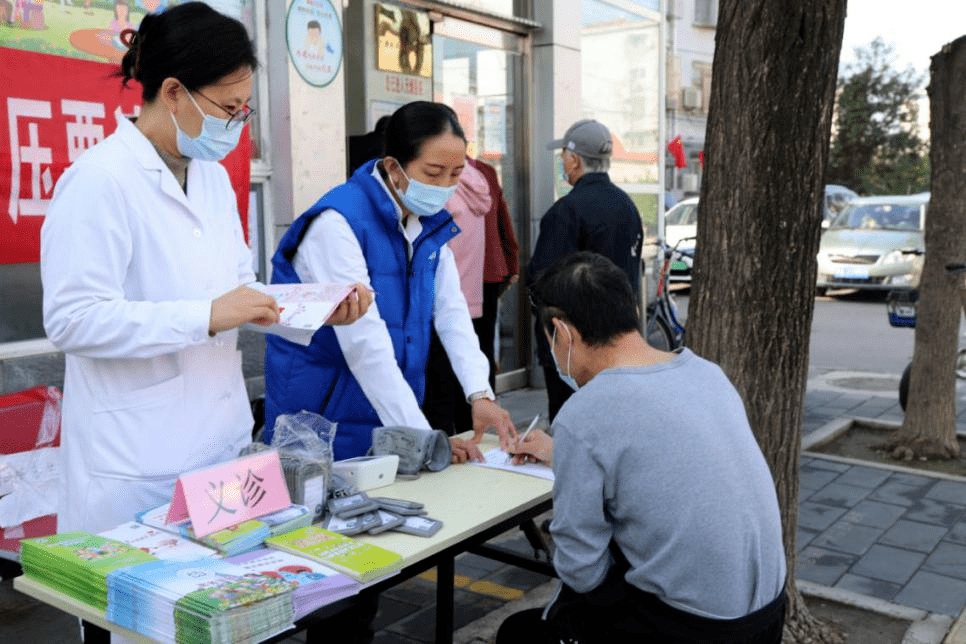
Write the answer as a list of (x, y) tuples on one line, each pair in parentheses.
[(901, 306), (663, 330)]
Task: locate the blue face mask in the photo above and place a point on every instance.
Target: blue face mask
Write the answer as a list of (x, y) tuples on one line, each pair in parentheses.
[(423, 199), (568, 377), (214, 142)]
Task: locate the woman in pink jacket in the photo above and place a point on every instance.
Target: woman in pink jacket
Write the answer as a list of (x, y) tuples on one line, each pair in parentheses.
[(486, 256)]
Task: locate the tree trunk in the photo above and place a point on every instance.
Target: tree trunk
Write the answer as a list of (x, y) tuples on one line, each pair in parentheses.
[(772, 94), (929, 428)]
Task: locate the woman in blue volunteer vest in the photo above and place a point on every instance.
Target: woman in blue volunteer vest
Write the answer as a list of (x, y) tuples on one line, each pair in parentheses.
[(386, 228)]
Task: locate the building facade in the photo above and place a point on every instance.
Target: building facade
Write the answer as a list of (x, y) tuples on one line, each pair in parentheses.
[(517, 72), (690, 46)]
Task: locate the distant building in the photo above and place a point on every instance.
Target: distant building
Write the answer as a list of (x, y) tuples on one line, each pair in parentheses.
[(690, 44)]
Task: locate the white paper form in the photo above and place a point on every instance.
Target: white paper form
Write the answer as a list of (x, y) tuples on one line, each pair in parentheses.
[(302, 308), (496, 458)]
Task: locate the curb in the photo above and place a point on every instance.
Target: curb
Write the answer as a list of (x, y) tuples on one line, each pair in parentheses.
[(957, 634), (925, 627), (833, 429)]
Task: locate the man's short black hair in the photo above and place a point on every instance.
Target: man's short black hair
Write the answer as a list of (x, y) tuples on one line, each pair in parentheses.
[(588, 291)]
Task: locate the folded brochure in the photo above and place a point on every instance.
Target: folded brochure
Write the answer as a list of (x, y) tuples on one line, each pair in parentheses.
[(302, 308)]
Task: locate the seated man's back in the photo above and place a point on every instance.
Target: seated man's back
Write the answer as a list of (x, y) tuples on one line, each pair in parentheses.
[(687, 495)]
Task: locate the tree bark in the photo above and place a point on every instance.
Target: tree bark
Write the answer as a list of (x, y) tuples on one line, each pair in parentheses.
[(770, 113), (929, 428)]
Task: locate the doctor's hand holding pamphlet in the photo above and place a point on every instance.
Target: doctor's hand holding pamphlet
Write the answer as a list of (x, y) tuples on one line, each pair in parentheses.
[(302, 309), (142, 262)]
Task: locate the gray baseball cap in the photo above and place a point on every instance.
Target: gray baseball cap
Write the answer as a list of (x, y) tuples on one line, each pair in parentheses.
[(586, 137)]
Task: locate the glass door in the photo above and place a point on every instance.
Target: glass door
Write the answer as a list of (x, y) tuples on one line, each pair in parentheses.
[(480, 72)]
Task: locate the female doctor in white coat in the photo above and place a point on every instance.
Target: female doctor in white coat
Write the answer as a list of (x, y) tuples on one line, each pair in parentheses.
[(144, 264)]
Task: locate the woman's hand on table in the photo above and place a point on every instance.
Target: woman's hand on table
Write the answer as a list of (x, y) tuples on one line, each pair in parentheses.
[(241, 305), (353, 307), (536, 447), (464, 450), (487, 413)]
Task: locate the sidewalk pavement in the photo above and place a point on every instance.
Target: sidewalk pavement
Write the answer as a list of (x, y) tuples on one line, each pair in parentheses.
[(885, 537), (879, 537)]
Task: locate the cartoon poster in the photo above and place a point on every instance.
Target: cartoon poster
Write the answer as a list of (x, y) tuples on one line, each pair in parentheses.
[(314, 38), (87, 29), (403, 41)]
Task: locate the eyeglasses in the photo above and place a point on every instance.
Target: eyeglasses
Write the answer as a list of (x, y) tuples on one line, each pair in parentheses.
[(238, 118)]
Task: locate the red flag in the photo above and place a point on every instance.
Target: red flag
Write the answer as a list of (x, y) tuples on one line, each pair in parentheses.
[(676, 148)]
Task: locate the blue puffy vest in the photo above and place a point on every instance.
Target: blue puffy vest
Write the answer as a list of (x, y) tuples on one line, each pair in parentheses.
[(316, 377)]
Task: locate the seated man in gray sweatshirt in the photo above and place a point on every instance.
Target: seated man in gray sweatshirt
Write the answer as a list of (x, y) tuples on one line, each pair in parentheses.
[(666, 521)]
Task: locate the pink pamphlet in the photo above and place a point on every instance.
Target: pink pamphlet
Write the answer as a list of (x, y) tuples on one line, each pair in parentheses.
[(219, 497)]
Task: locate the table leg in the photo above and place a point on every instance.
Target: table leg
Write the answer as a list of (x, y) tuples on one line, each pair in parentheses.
[(445, 570), (94, 634)]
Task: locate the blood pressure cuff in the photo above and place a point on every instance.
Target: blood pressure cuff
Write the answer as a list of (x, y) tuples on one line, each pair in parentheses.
[(416, 448)]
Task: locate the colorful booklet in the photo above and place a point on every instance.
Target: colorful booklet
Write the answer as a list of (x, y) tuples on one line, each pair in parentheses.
[(361, 561), (159, 543), (318, 584), (77, 563), (206, 601), (244, 537)]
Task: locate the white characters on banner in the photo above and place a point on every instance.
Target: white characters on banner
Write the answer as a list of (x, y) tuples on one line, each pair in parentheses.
[(83, 122)]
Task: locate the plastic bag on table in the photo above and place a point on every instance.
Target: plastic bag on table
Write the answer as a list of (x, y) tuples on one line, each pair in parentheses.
[(304, 444)]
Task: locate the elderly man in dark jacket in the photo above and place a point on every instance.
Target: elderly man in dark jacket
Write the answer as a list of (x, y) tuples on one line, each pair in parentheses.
[(595, 216)]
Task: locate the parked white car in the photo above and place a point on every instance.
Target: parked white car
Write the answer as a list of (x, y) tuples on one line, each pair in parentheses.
[(681, 222)]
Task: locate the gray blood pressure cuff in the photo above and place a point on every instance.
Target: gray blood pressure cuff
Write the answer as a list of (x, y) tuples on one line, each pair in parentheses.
[(416, 448)]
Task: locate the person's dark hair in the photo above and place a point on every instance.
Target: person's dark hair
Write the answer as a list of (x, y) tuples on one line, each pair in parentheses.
[(314, 24), (413, 123), (191, 42), (588, 291)]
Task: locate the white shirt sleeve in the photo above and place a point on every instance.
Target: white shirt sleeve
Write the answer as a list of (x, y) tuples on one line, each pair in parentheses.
[(85, 251), (455, 328), (330, 252)]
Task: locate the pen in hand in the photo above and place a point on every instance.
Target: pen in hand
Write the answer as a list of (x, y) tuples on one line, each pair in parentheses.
[(533, 423)]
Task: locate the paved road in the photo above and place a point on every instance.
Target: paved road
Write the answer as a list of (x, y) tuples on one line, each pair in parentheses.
[(851, 332)]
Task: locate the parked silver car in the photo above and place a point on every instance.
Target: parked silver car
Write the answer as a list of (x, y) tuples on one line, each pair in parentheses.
[(875, 243)]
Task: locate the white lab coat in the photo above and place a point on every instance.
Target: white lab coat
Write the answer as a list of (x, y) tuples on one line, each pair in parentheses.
[(130, 266)]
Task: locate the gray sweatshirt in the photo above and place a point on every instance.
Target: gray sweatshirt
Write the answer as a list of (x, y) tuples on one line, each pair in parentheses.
[(662, 460)]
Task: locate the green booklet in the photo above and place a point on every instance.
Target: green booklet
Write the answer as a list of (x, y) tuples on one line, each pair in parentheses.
[(77, 563), (361, 561)]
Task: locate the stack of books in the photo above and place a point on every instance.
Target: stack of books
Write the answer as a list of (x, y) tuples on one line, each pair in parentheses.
[(77, 563), (244, 537), (317, 584), (361, 561), (207, 601), (158, 543)]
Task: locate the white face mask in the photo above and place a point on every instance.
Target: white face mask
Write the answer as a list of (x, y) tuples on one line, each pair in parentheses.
[(423, 199), (568, 377), (214, 142)]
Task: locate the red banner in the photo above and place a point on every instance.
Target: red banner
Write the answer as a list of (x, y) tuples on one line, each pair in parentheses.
[(53, 109)]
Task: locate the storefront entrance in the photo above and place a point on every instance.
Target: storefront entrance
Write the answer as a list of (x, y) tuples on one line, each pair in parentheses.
[(480, 71)]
